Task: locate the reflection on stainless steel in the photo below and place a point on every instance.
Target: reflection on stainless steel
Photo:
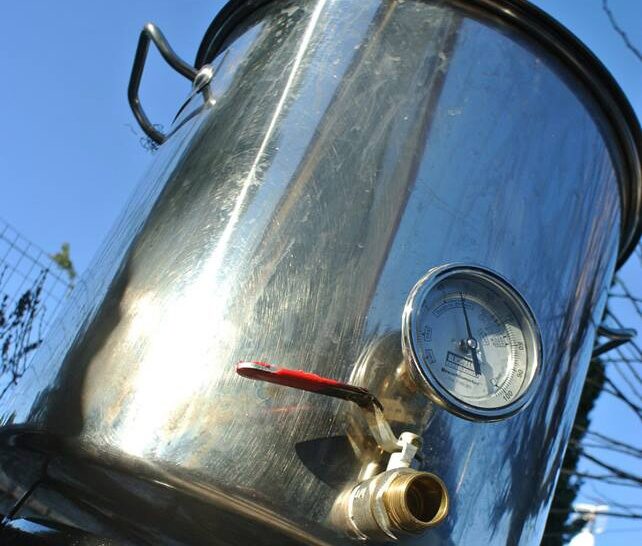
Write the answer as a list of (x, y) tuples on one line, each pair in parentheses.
[(353, 145)]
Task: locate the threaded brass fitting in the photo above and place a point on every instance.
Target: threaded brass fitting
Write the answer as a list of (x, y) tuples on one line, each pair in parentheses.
[(415, 501), (393, 503)]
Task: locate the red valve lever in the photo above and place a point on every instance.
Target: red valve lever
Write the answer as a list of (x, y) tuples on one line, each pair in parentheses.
[(306, 381)]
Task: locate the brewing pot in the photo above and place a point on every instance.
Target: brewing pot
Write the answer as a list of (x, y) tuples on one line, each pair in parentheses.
[(331, 153)]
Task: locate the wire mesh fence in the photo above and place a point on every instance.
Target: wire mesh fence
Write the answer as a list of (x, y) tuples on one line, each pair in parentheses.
[(32, 289), (22, 264)]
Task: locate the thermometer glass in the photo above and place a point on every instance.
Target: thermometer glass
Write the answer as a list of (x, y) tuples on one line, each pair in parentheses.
[(472, 341)]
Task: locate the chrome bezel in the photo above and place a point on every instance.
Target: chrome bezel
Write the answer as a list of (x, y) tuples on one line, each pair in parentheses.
[(421, 370)]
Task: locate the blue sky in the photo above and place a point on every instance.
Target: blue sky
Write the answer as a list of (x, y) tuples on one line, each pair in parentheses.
[(69, 146)]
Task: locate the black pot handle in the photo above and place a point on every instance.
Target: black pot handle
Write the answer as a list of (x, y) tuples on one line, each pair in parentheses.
[(152, 33)]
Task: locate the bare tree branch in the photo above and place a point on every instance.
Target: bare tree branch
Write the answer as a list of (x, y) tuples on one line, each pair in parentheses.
[(603, 478), (604, 499), (607, 440), (17, 337), (615, 391), (616, 449), (620, 31), (615, 471), (628, 381), (608, 514)]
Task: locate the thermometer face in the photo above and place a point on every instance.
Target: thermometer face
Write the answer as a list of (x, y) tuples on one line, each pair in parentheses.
[(472, 341)]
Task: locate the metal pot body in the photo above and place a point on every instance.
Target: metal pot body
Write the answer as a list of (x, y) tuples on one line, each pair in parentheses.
[(354, 145)]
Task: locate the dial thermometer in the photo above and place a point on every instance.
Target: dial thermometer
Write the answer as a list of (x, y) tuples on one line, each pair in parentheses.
[(472, 342)]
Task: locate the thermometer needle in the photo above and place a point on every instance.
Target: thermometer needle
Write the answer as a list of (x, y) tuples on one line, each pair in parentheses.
[(471, 342)]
